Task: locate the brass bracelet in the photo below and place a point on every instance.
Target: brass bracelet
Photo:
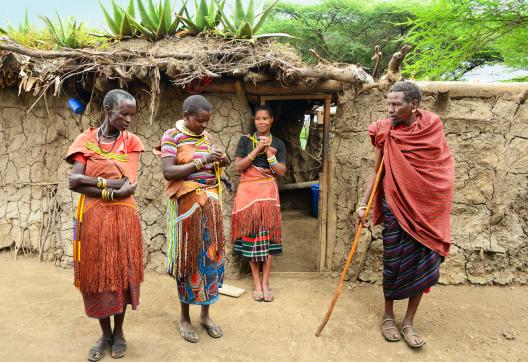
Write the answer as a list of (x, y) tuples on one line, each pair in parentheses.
[(101, 183), (112, 194), (103, 194), (251, 158), (198, 164)]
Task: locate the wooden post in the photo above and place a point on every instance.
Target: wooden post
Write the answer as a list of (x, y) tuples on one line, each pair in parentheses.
[(323, 186)]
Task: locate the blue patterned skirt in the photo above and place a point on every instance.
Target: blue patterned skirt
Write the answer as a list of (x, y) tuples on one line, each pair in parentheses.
[(409, 267), (201, 287)]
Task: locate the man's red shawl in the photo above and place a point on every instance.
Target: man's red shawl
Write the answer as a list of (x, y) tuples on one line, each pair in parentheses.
[(418, 178)]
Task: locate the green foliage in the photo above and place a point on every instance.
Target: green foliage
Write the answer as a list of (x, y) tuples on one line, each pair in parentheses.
[(244, 23), (452, 37), (118, 23), (157, 21), (26, 34), (342, 30), (66, 33), (206, 18)]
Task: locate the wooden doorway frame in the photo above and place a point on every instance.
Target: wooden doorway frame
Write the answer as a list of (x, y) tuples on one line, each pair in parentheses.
[(324, 177)]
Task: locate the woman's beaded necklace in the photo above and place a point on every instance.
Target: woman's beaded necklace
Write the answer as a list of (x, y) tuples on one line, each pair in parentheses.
[(114, 136)]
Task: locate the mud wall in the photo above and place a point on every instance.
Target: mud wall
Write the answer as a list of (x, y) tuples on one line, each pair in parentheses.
[(36, 206), (486, 127)]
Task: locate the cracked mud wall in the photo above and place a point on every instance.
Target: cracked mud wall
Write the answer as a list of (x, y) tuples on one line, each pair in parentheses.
[(487, 130), (33, 174)]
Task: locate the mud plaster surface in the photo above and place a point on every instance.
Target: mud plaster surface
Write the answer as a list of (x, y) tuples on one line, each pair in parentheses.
[(32, 148)]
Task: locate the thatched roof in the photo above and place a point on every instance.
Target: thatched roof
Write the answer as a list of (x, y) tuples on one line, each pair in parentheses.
[(199, 63), (181, 60)]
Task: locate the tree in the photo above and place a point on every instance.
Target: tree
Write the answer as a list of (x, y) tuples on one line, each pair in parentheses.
[(342, 30), (452, 37)]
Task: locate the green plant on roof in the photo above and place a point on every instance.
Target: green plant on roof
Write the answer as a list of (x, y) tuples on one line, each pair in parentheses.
[(119, 23), (206, 18), (67, 33), (245, 24), (157, 21)]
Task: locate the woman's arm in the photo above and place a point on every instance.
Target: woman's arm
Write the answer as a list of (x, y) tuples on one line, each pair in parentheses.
[(172, 171), (86, 185)]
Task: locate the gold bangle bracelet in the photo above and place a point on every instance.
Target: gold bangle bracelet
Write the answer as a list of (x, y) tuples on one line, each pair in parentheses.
[(251, 158)]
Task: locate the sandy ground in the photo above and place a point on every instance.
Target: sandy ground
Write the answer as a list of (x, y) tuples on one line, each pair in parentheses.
[(300, 233), (41, 319)]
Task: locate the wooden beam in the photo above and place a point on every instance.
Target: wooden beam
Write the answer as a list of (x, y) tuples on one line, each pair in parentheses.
[(295, 96), (274, 88)]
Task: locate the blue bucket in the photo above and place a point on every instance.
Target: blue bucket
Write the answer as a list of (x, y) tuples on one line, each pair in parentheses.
[(315, 200), (75, 105)]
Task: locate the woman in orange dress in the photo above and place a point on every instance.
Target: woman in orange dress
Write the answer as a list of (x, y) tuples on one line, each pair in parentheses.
[(108, 245), (255, 221)]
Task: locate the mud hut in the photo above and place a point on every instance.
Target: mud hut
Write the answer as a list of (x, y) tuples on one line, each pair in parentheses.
[(37, 127), (485, 126)]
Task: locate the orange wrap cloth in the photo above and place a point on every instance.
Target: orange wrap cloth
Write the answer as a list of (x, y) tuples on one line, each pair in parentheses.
[(108, 244), (256, 206), (418, 179)]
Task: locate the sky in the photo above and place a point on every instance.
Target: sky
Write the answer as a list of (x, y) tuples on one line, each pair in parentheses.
[(12, 11)]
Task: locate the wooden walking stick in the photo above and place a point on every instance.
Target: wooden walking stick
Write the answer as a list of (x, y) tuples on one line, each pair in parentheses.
[(351, 254)]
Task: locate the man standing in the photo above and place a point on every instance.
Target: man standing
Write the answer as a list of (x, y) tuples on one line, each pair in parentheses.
[(414, 204)]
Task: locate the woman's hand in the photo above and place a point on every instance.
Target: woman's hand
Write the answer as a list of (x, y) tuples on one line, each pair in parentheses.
[(225, 161), (126, 190), (214, 156), (263, 144), (360, 219), (76, 180), (270, 152)]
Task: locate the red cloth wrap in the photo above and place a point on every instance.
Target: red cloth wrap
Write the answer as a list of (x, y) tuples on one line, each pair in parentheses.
[(256, 206), (418, 178)]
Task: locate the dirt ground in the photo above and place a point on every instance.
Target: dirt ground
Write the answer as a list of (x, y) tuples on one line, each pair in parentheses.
[(42, 319), (300, 233)]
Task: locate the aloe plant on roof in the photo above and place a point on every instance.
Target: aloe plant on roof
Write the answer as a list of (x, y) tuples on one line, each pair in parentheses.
[(206, 18), (65, 33), (119, 23), (156, 20), (244, 23)]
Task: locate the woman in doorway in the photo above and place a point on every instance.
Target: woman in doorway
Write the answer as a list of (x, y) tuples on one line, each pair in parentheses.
[(108, 246), (195, 256), (255, 223)]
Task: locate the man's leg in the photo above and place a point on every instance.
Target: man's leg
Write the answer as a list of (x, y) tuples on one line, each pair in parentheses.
[(407, 325), (388, 326)]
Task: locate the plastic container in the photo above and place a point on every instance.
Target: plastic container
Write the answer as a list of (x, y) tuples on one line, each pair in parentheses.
[(315, 200), (75, 105)]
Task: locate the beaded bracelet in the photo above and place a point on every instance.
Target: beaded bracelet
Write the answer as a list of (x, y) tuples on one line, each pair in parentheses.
[(198, 164), (272, 161), (101, 183), (107, 194)]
